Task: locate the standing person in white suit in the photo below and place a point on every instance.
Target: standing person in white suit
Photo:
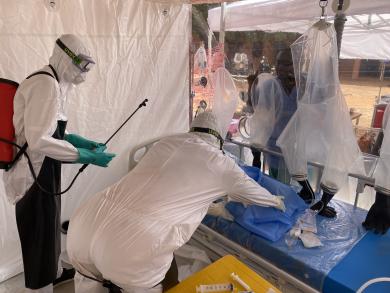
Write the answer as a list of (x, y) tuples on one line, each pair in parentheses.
[(40, 120), (128, 232), (378, 217)]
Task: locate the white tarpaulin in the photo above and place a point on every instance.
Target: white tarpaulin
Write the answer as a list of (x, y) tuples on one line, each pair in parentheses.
[(366, 34), (141, 51)]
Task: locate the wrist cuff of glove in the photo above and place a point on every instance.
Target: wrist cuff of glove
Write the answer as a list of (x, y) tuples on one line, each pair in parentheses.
[(304, 183), (328, 188), (382, 190), (299, 177)]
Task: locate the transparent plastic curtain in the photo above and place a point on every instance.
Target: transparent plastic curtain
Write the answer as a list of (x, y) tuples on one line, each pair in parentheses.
[(141, 51), (321, 129), (207, 59), (225, 99), (266, 96)]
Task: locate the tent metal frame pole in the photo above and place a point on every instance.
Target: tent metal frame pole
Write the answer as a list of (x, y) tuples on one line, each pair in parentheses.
[(381, 77), (222, 23), (190, 66), (339, 23), (209, 45), (222, 28)]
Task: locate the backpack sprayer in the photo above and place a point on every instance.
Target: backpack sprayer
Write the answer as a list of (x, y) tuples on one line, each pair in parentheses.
[(7, 134)]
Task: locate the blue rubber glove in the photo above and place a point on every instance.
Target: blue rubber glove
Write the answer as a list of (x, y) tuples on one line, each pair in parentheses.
[(81, 142), (96, 158)]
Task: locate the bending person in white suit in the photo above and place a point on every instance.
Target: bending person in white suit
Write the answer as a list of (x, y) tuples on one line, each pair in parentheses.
[(128, 232)]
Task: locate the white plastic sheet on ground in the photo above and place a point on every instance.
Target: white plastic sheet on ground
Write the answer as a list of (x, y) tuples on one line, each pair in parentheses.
[(321, 129), (141, 51)]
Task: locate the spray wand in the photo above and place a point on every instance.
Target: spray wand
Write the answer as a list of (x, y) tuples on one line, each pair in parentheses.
[(143, 104)]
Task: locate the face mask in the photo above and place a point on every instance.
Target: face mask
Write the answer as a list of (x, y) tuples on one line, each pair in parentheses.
[(79, 78), (65, 88)]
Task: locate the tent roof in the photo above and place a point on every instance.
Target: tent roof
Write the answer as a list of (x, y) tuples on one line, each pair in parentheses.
[(192, 1), (365, 36)]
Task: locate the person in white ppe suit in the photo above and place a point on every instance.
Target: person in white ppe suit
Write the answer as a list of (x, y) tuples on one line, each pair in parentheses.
[(378, 217), (40, 122), (128, 232)]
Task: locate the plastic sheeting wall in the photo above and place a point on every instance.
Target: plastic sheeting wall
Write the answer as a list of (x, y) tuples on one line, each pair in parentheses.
[(141, 50)]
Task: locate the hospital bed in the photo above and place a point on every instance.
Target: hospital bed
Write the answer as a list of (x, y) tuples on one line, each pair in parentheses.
[(370, 162), (350, 256)]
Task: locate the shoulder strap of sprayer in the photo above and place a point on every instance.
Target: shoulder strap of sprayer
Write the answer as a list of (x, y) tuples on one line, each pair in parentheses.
[(22, 150), (209, 131), (45, 73)]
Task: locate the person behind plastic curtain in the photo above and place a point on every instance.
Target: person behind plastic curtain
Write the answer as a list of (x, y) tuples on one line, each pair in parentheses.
[(274, 103)]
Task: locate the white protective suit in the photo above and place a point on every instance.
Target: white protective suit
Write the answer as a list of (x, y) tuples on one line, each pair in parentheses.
[(38, 106), (200, 60), (382, 170), (43, 94), (378, 216), (321, 128), (128, 232)]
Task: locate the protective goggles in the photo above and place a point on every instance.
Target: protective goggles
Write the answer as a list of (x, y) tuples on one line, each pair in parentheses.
[(83, 62)]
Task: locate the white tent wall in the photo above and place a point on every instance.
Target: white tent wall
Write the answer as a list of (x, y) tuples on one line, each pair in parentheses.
[(141, 51), (365, 36)]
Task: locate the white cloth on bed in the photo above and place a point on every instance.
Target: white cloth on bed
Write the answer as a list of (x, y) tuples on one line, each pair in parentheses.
[(128, 232)]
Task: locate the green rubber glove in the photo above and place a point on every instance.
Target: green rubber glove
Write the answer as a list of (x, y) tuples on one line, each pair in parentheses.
[(96, 158), (100, 149), (80, 142)]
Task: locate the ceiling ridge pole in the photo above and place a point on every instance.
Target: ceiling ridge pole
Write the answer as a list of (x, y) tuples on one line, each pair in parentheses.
[(339, 23)]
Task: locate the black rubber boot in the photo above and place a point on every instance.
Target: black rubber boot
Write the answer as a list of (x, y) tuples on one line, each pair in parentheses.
[(64, 227), (256, 158), (66, 276), (112, 288), (322, 205), (378, 217), (306, 193), (171, 277)]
